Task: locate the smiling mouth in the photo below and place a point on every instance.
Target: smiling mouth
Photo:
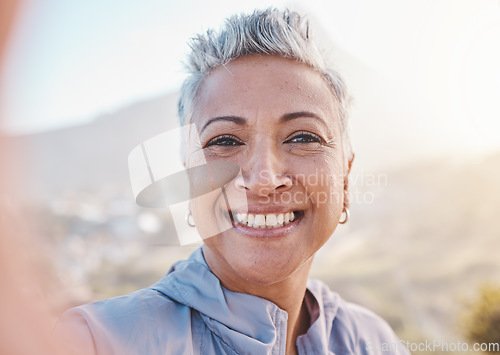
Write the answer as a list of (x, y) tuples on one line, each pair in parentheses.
[(265, 221)]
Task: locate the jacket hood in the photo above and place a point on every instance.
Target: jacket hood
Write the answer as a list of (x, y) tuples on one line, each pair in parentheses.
[(253, 322)]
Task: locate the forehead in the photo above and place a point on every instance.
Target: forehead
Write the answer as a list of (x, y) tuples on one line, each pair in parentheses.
[(258, 84)]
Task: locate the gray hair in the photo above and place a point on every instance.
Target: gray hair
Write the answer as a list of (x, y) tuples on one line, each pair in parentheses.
[(264, 32)]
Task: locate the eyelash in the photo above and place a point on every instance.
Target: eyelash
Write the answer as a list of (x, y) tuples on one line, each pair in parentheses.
[(224, 138), (219, 140), (313, 138)]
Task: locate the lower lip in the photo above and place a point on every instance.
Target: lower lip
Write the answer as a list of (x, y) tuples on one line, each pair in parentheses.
[(268, 233)]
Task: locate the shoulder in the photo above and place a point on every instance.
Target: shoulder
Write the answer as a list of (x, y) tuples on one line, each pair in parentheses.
[(144, 304), (355, 327), (105, 327)]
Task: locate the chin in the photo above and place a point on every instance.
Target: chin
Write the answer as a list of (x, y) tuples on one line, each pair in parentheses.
[(268, 276), (259, 262)]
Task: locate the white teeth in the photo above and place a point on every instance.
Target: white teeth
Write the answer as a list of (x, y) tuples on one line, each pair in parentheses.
[(242, 217), (260, 220), (269, 220)]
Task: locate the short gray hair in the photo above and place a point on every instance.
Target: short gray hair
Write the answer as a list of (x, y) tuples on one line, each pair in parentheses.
[(272, 31)]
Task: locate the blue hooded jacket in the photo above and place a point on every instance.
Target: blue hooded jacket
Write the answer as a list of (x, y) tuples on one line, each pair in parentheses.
[(189, 312)]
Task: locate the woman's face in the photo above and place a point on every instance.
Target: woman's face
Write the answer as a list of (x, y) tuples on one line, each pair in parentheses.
[(277, 120)]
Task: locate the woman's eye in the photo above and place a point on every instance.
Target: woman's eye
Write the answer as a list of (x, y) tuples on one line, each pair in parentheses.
[(304, 137), (225, 141)]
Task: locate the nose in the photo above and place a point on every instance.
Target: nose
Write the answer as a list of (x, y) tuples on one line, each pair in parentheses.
[(264, 173)]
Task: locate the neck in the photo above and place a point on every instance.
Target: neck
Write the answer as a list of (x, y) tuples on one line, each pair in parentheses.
[(287, 294), (298, 323)]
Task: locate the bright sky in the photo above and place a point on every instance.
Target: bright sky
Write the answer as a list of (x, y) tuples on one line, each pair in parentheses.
[(69, 61)]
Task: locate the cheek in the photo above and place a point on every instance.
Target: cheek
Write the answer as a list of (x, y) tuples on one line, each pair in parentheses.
[(195, 158), (208, 218), (327, 203), (212, 196), (336, 189), (324, 183)]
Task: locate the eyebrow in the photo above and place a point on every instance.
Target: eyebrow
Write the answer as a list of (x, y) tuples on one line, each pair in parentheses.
[(285, 118), (235, 119), (301, 114)]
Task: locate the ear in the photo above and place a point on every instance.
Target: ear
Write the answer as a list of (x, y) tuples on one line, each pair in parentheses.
[(347, 196)]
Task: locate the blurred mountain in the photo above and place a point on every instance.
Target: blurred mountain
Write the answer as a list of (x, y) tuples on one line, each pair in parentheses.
[(91, 156)]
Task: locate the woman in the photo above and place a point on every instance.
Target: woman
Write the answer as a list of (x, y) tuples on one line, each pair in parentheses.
[(260, 95)]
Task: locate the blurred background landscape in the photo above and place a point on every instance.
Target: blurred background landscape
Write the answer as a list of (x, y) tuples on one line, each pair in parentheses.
[(424, 232), (421, 240)]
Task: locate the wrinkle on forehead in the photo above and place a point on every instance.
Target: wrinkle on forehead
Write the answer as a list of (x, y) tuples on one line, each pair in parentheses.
[(254, 84)]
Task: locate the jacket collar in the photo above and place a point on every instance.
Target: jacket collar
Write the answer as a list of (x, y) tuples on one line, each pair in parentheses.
[(245, 322)]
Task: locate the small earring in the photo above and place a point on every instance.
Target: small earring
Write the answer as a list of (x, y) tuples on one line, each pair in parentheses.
[(190, 219), (346, 218)]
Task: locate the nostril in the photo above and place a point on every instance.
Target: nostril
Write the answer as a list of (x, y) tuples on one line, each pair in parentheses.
[(285, 183), (240, 184), (263, 184), (241, 187)]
